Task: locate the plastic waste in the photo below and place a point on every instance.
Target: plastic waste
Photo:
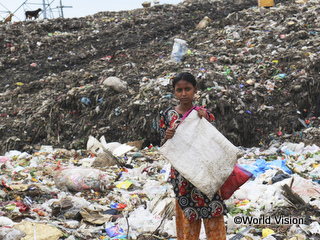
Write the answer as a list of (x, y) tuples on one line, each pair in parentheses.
[(109, 146), (179, 49), (85, 101), (46, 148), (116, 148), (261, 165), (3, 160), (4, 221), (279, 176), (266, 232), (152, 189), (11, 234), (94, 145), (141, 218), (115, 83), (125, 185), (313, 228), (114, 231), (80, 179), (12, 153), (117, 206), (165, 172)]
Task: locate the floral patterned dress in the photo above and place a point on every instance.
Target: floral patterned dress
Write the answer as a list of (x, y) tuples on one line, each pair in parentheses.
[(193, 202)]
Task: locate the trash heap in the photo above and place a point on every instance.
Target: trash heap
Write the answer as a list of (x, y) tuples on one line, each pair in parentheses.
[(113, 191), (79, 111), (257, 70)]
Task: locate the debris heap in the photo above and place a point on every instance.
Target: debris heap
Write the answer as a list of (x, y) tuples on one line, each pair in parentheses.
[(258, 72)]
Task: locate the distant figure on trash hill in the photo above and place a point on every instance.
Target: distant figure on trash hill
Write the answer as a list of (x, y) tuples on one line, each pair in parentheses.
[(31, 14), (9, 18)]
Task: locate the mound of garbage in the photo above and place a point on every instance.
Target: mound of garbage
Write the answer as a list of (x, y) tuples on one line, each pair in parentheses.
[(63, 80), (79, 114)]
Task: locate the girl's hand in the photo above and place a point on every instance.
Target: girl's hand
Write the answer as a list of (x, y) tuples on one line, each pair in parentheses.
[(169, 134), (202, 113)]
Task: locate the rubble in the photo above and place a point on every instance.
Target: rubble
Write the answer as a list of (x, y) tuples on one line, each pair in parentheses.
[(74, 91)]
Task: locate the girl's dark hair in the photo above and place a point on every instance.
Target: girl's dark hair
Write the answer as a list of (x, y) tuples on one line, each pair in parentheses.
[(186, 76)]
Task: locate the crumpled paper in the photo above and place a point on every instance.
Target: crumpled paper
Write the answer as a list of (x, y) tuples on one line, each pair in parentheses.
[(94, 217)]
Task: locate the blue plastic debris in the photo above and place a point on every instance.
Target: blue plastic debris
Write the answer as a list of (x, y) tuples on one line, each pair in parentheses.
[(85, 100)]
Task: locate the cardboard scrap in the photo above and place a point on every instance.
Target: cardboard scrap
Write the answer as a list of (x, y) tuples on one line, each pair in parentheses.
[(38, 231)]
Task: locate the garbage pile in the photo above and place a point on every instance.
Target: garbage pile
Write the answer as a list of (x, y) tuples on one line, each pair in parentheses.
[(257, 70), (79, 111), (119, 191)]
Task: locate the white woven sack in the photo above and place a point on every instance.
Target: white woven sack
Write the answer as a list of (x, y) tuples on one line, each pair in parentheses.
[(201, 154)]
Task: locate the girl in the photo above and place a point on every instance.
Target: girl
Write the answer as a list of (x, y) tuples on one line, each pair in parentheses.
[(191, 204)]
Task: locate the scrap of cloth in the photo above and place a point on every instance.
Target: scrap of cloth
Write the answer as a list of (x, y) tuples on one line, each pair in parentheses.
[(201, 154)]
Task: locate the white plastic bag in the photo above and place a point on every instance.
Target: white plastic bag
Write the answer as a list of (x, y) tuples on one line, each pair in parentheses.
[(179, 49), (201, 154), (115, 83), (81, 179)]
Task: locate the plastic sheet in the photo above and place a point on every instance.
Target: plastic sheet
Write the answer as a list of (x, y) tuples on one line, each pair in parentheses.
[(261, 165)]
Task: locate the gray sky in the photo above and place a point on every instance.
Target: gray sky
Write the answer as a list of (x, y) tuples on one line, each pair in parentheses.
[(80, 8)]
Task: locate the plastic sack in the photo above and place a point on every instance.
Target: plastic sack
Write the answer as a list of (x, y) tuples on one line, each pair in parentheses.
[(201, 154), (80, 179), (236, 179), (179, 49)]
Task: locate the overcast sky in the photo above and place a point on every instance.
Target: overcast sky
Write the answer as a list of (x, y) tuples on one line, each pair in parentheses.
[(80, 8)]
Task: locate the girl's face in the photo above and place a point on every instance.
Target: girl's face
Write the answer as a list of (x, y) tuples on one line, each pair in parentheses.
[(185, 91)]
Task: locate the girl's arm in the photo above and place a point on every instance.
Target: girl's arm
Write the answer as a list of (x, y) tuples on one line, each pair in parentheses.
[(166, 131), (203, 113), (206, 114)]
